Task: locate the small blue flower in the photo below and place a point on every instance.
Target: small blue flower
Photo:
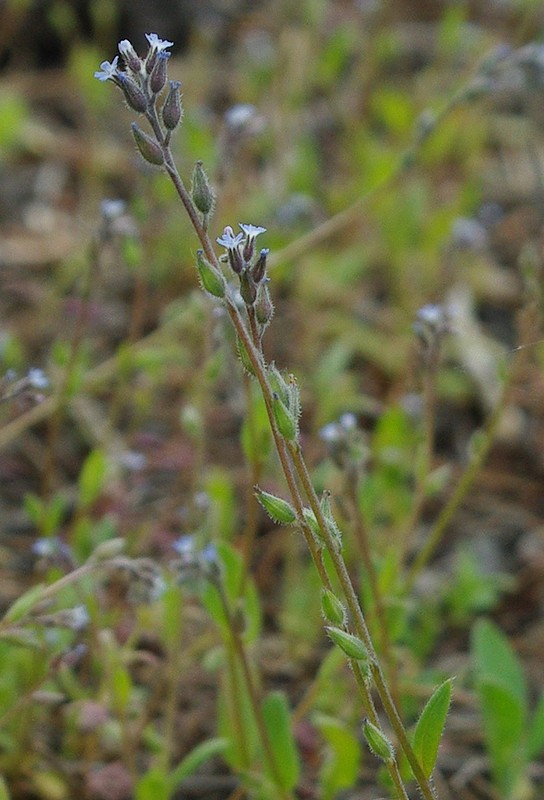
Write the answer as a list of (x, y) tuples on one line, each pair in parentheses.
[(229, 240), (156, 44), (107, 71), (252, 231), (37, 378)]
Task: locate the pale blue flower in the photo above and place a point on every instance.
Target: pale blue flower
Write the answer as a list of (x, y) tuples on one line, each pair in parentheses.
[(108, 71), (252, 231), (156, 44), (229, 240), (37, 378)]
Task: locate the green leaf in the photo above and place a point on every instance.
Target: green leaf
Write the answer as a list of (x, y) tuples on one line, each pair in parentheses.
[(535, 741), (504, 725), (198, 755), (153, 786), (4, 791), (343, 756), (24, 604), (430, 726), (277, 720), (92, 478), (496, 661)]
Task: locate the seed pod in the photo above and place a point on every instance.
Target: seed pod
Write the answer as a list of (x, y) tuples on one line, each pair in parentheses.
[(285, 420), (211, 279), (350, 644), (201, 191), (278, 510), (149, 148), (333, 610), (378, 742), (244, 357)]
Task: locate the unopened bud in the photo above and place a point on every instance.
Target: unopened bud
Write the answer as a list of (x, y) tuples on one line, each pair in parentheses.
[(201, 191), (248, 290), (378, 742), (157, 79), (212, 280), (130, 56), (149, 148), (172, 111), (134, 95), (264, 307), (244, 357), (258, 270), (278, 510), (109, 549)]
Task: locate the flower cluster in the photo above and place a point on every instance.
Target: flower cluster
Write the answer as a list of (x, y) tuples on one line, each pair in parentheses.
[(250, 267), (142, 82)]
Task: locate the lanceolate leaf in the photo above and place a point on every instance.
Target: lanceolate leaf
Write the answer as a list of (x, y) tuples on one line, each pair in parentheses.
[(430, 726), (277, 720)]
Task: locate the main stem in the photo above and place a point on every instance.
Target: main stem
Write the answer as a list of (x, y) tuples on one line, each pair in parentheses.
[(293, 463)]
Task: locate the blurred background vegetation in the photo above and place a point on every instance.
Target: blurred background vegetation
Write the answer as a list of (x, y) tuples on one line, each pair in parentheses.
[(394, 152)]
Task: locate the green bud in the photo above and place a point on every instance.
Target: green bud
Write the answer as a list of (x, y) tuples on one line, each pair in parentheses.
[(333, 610), (278, 510), (210, 277), (285, 419), (278, 384), (244, 357), (378, 742), (109, 549), (350, 644), (149, 148), (201, 191), (313, 524), (332, 527)]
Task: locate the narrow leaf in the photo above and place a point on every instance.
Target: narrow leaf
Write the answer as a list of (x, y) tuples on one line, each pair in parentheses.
[(504, 724), (198, 755), (535, 743), (277, 720), (495, 660), (430, 726)]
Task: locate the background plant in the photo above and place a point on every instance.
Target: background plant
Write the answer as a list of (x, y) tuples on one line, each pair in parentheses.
[(385, 485)]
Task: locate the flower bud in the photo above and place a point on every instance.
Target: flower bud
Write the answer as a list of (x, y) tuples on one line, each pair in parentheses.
[(172, 111), (333, 610), (378, 742), (278, 510), (157, 79), (201, 191), (351, 645), (244, 357), (211, 279), (313, 524), (285, 420), (258, 270), (278, 383), (130, 56), (149, 148), (134, 95), (248, 290), (264, 307)]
